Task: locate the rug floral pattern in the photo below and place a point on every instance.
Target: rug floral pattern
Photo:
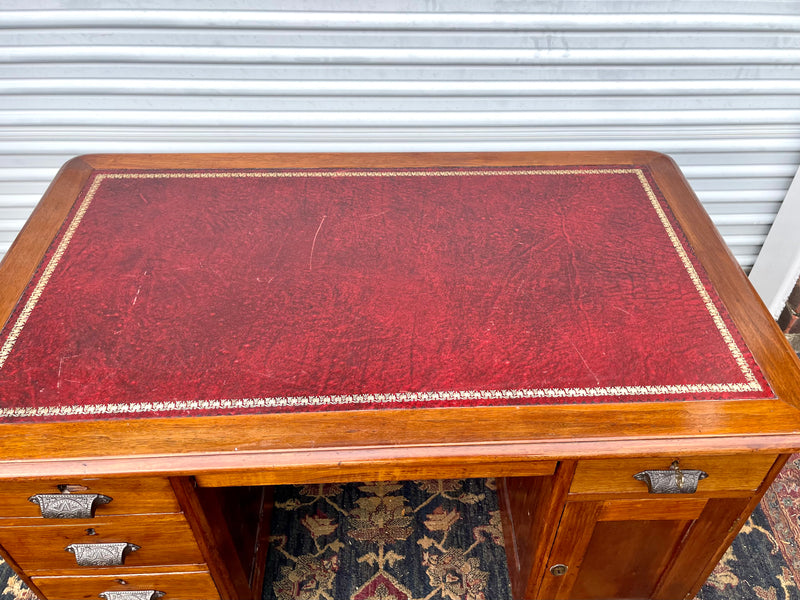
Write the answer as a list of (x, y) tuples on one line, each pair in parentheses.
[(442, 540), (764, 562), (422, 540), (753, 568), (11, 587)]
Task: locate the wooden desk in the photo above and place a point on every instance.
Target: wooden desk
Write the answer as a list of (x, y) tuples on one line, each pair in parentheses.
[(183, 332)]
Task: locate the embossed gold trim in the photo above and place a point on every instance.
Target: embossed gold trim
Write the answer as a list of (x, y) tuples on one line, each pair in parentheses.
[(698, 284), (751, 384), (362, 399)]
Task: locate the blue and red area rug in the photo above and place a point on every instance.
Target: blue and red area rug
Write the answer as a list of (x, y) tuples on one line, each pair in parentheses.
[(764, 560), (442, 540)]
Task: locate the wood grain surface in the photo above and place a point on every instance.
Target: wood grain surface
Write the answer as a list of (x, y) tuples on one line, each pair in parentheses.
[(40, 549), (725, 473), (129, 496), (177, 585)]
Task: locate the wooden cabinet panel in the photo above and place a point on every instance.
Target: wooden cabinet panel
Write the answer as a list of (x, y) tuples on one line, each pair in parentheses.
[(702, 547), (624, 559), (652, 509), (612, 551), (530, 509), (725, 473), (232, 528), (572, 539), (176, 585), (129, 496), (163, 540), (642, 548)]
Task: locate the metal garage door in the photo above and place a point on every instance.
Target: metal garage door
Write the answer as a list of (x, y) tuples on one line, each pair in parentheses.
[(714, 84)]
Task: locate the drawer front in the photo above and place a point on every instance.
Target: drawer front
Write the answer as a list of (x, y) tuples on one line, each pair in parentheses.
[(175, 585), (129, 496), (162, 540), (742, 473)]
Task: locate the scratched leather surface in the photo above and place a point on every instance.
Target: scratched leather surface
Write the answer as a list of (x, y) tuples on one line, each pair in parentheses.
[(303, 291)]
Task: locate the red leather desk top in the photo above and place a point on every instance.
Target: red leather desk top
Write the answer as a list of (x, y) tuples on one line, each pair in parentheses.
[(191, 293)]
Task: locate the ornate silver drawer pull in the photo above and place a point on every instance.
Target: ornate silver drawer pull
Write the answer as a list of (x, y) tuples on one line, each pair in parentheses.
[(671, 481), (132, 595), (101, 555), (68, 506)]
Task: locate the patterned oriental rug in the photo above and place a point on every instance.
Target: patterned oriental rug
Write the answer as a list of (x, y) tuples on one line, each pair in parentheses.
[(442, 540)]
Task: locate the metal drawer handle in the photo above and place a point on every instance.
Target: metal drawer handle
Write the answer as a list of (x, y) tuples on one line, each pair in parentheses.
[(132, 595), (101, 555), (672, 481), (68, 506)]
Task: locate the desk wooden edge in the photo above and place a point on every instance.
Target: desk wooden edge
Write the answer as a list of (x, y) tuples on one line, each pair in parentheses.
[(727, 426)]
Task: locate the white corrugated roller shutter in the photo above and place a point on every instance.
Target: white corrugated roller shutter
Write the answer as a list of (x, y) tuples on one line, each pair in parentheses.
[(714, 84)]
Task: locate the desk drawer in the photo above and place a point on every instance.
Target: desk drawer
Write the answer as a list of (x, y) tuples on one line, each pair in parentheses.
[(175, 585), (725, 473), (129, 496), (162, 540)]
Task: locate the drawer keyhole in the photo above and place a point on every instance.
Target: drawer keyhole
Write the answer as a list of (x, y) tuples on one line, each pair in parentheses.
[(91, 531), (71, 488)]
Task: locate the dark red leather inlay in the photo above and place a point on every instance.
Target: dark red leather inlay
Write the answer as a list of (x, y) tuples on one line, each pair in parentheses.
[(211, 293)]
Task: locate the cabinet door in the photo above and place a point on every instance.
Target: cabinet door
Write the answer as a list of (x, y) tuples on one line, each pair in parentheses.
[(630, 548)]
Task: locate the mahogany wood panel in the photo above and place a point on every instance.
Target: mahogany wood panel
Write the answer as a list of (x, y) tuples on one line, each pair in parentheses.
[(572, 540), (247, 512), (697, 552), (530, 508), (259, 564), (40, 549), (621, 548), (294, 446), (178, 585), (701, 496), (625, 558), (698, 548), (205, 510), (378, 470), (130, 496), (745, 472), (653, 509)]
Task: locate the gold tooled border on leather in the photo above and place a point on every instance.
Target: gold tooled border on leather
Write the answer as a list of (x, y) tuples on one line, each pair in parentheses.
[(751, 383)]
